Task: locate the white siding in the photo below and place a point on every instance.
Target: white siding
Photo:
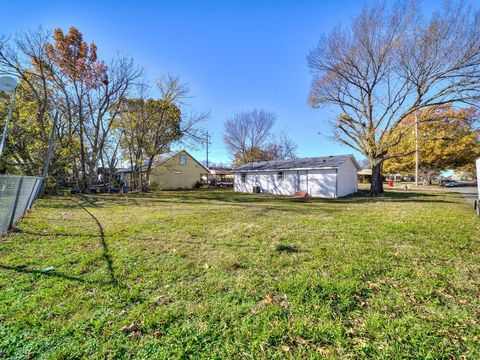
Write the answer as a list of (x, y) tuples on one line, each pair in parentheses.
[(322, 183), (347, 179), (268, 182), (326, 183), (478, 177), (319, 183)]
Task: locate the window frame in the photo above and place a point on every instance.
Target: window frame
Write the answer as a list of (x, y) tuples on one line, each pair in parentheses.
[(280, 176), (243, 177), (184, 158)]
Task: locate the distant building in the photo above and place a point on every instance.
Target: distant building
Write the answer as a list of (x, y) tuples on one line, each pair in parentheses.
[(329, 176), (173, 170), (176, 170)]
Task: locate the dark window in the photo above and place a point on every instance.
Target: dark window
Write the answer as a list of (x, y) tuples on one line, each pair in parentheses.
[(280, 176), (244, 177), (183, 160)]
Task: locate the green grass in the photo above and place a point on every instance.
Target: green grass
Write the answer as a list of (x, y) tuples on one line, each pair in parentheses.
[(199, 274)]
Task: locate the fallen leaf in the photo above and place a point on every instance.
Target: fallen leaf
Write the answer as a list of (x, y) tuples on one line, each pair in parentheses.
[(323, 350), (163, 300), (130, 328), (374, 286), (285, 348), (301, 341), (236, 265), (135, 335), (268, 299)]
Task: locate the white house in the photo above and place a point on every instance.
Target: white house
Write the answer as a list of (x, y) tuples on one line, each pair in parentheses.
[(328, 177)]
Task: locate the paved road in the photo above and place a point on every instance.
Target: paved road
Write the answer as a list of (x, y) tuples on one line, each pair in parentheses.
[(470, 193)]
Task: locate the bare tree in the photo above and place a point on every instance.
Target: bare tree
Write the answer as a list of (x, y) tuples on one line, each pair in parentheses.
[(248, 130), (248, 136), (389, 64), (152, 126), (283, 147)]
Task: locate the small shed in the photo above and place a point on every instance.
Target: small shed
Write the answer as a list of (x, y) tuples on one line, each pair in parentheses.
[(327, 177)]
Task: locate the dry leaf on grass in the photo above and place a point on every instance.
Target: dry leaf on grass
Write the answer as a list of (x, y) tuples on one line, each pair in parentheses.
[(270, 300), (323, 350), (135, 335), (163, 300), (373, 286)]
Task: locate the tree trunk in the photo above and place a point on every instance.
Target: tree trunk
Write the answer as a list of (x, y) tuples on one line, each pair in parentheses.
[(427, 177), (376, 185), (146, 184)]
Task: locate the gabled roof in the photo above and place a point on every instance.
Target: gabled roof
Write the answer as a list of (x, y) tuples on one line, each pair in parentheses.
[(162, 158), (324, 162)]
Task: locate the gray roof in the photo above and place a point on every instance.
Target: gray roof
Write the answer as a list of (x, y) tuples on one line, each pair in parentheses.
[(161, 158), (302, 163)]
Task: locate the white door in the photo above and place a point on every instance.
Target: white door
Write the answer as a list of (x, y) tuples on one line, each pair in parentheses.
[(302, 181)]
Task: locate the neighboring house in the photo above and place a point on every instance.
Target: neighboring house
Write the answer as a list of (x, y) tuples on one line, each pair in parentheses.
[(329, 177), (365, 175), (220, 176), (124, 176), (176, 170)]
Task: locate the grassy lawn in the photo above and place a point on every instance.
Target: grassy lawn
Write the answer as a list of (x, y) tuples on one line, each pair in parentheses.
[(222, 275)]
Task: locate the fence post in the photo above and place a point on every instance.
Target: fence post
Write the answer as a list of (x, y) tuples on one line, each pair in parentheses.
[(37, 191), (34, 187), (14, 210)]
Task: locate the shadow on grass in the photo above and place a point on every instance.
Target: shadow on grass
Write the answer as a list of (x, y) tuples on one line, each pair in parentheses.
[(43, 234), (394, 196), (286, 249), (228, 196), (106, 253), (25, 270)]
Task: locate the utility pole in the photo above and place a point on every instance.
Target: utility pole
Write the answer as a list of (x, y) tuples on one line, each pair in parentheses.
[(207, 143), (416, 150)]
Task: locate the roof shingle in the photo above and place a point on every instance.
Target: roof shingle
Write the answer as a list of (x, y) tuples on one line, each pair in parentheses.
[(301, 163)]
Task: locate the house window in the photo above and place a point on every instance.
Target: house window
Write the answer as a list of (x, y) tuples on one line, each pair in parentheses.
[(183, 160), (244, 177), (280, 176)]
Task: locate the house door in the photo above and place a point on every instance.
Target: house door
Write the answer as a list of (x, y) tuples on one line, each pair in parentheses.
[(302, 180)]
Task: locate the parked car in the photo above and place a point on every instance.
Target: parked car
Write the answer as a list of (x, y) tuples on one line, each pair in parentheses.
[(451, 183), (104, 188)]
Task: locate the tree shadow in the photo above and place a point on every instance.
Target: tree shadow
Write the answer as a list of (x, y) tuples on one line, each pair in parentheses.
[(286, 248), (54, 273), (106, 253), (21, 231), (400, 196)]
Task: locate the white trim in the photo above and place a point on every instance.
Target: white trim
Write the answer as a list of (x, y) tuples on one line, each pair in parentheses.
[(289, 169)]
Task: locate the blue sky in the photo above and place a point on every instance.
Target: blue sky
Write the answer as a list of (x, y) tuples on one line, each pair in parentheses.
[(235, 55)]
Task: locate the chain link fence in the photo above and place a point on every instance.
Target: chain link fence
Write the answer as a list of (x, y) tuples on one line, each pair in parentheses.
[(17, 194)]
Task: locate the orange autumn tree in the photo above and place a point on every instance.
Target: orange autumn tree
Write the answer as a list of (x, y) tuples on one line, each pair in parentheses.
[(80, 72), (89, 95), (448, 139)]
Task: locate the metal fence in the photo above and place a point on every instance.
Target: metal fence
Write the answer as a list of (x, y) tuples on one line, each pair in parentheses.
[(17, 194)]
